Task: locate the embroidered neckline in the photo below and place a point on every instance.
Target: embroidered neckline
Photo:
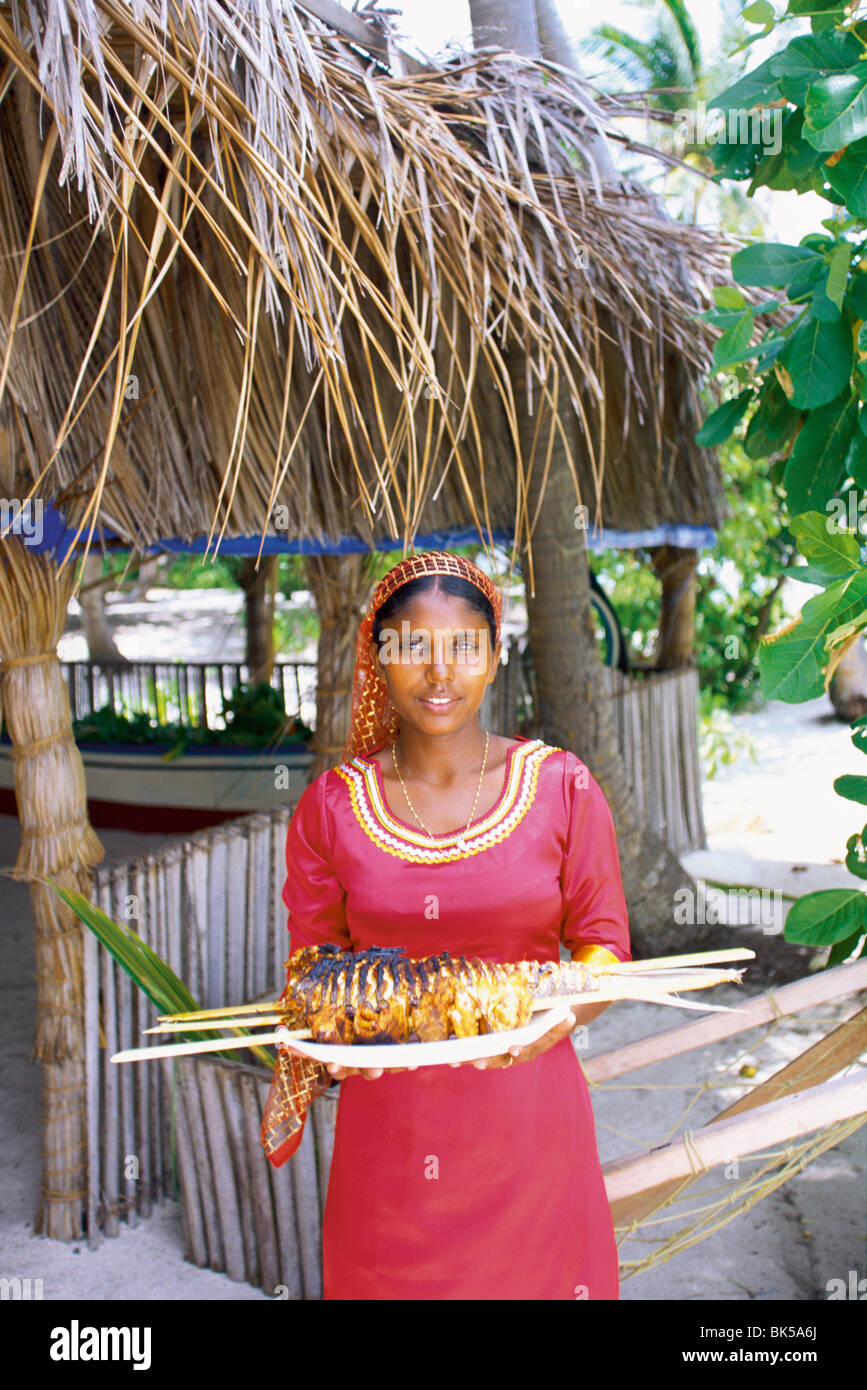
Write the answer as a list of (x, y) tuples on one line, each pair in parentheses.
[(363, 776)]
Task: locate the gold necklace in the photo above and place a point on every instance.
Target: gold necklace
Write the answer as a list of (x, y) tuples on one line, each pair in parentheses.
[(461, 842)]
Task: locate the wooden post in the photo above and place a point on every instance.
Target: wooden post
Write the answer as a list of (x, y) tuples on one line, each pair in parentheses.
[(57, 841)]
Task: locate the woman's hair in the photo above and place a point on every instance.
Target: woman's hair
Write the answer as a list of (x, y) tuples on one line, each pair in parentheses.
[(451, 584)]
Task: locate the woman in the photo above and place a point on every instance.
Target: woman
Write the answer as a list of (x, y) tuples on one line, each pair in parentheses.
[(479, 1181)]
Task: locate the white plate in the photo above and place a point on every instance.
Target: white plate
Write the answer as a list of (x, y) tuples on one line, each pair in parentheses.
[(432, 1054)]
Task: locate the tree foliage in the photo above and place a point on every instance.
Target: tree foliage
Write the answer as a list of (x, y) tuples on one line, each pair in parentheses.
[(801, 387)]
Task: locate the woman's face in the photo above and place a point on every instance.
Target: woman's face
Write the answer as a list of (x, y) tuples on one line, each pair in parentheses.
[(436, 658)]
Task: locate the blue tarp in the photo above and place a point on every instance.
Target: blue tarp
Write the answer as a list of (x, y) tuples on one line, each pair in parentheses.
[(48, 532)]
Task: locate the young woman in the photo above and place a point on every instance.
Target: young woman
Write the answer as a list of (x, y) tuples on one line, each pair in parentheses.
[(483, 1180)]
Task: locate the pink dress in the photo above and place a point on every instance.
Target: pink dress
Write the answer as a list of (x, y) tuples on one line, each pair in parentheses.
[(458, 1183)]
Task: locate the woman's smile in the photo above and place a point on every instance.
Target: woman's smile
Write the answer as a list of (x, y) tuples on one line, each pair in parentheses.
[(439, 704)]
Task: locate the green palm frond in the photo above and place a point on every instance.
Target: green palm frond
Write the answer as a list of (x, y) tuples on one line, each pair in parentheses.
[(667, 60), (154, 977)]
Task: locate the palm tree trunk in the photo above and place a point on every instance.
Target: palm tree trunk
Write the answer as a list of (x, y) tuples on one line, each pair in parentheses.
[(676, 570), (334, 580), (259, 586), (100, 643), (57, 842)]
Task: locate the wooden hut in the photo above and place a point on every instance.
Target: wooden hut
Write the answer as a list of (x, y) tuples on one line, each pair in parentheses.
[(259, 276)]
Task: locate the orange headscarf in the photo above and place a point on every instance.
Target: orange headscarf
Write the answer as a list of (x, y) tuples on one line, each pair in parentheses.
[(374, 721)]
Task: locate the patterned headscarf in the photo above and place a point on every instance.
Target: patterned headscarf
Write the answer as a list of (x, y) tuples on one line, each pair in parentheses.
[(297, 1081), (374, 721)]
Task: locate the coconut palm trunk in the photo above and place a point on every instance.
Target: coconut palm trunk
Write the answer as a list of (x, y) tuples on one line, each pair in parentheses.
[(335, 580), (56, 841), (574, 707), (676, 570), (101, 645), (259, 586)]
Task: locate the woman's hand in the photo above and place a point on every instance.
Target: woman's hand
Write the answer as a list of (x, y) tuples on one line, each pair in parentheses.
[(579, 1014), (526, 1054)]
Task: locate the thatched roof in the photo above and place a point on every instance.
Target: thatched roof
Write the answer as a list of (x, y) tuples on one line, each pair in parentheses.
[(316, 268)]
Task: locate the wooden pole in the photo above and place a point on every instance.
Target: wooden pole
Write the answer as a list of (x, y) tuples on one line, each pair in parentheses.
[(642, 1181), (803, 994), (56, 840)]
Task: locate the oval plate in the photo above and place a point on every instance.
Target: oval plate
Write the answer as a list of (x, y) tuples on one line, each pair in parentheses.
[(432, 1054)]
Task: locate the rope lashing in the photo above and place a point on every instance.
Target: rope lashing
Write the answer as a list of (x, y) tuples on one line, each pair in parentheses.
[(696, 1162), (29, 750), (8, 663)]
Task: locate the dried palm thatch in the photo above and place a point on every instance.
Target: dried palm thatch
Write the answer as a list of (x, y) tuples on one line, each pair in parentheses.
[(306, 276)]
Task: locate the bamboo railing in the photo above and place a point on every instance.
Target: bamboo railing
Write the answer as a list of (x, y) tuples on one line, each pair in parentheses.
[(192, 693)]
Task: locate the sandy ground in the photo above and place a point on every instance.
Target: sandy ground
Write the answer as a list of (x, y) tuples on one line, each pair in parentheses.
[(776, 823)]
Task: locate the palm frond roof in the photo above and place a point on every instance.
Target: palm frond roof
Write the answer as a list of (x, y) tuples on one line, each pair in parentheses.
[(247, 262)]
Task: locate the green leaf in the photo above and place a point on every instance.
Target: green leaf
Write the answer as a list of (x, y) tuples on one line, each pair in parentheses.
[(722, 421), (852, 788), (807, 574), (859, 734), (735, 159), (811, 7), (856, 854), (725, 318), (848, 177), (759, 12), (773, 424), (792, 661), (835, 113), (772, 263), (811, 57), (730, 345), (838, 272), (823, 308), (727, 297), (857, 294), (856, 459), (832, 20), (755, 88), (842, 950), (834, 553), (823, 918), (795, 166), (845, 632), (812, 283), (815, 466), (818, 358)]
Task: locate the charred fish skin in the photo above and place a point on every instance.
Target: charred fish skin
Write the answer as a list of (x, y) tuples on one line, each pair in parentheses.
[(381, 995)]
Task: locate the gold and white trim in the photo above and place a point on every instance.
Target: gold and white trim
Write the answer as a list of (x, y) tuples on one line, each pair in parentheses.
[(363, 777)]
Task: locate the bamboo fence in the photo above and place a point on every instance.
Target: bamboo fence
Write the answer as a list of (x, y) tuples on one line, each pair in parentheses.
[(210, 905)]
